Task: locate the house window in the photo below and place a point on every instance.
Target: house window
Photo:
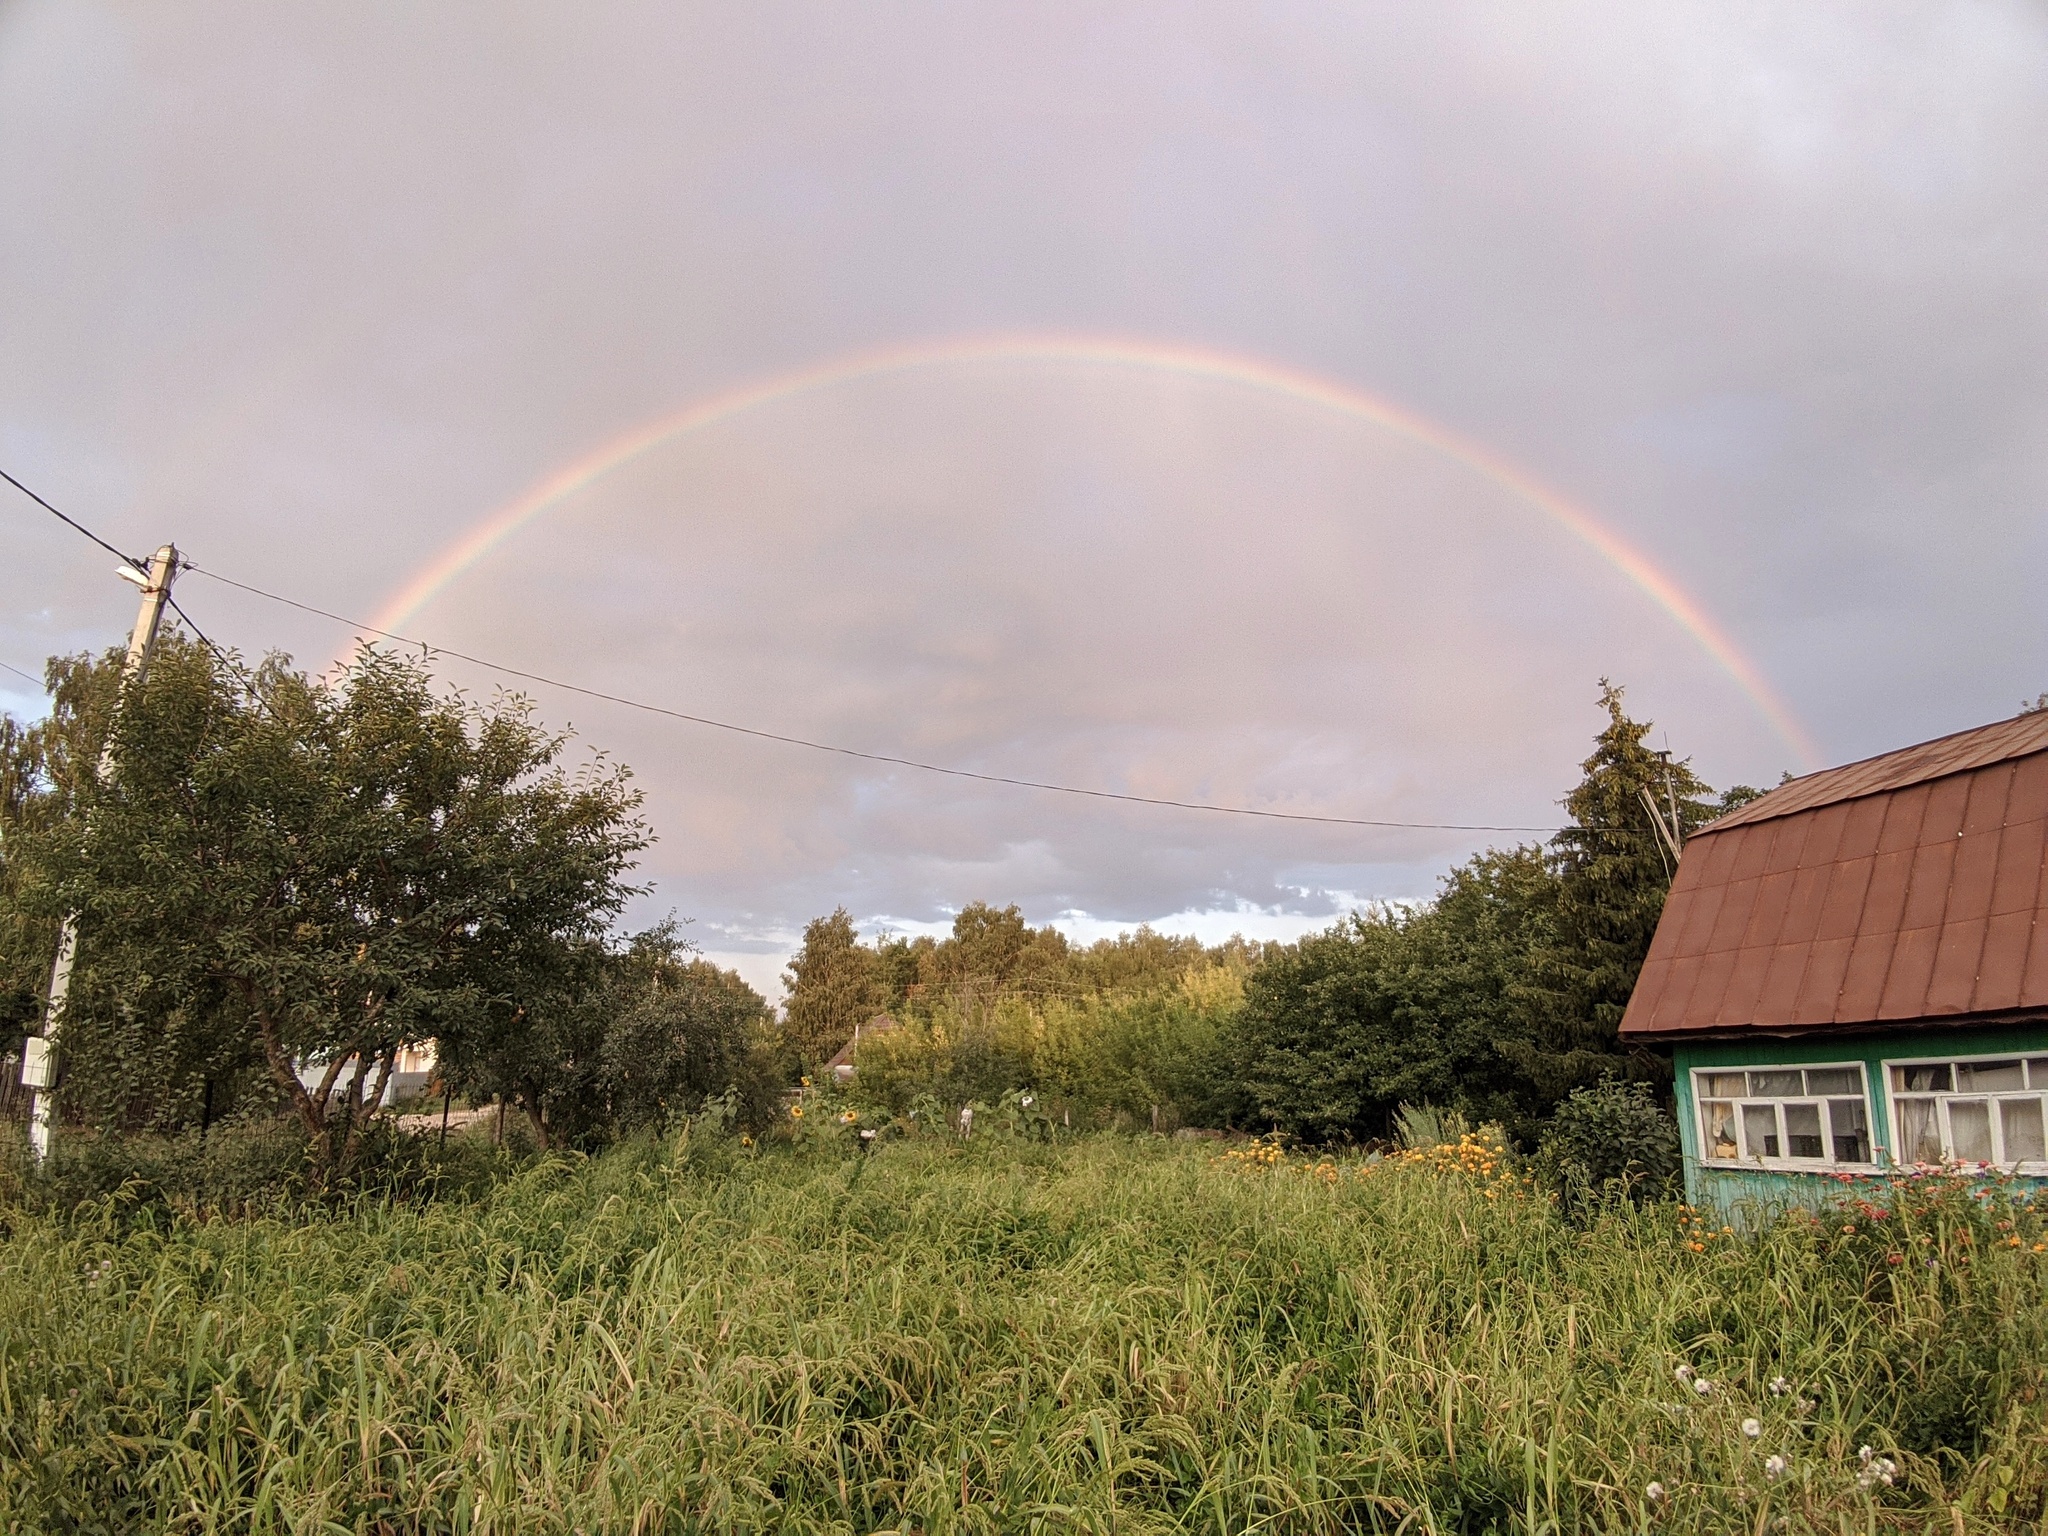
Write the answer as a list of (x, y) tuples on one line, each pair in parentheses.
[(1971, 1111), (1795, 1117)]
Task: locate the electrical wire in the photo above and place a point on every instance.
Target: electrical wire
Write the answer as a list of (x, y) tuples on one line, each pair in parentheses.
[(140, 565), (726, 725), (226, 659), (872, 757), (23, 675)]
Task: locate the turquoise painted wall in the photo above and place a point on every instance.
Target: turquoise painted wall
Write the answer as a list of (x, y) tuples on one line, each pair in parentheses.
[(1731, 1190)]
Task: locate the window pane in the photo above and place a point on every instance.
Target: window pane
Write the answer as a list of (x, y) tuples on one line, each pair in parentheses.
[(1835, 1080), (2020, 1119), (1921, 1079), (1802, 1131), (1851, 1132), (1919, 1132), (1977, 1076), (2037, 1072), (1731, 1085), (1760, 1130), (1720, 1120), (1969, 1129), (1775, 1085)]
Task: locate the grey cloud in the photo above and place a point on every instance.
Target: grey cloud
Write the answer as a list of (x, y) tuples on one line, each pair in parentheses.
[(313, 290)]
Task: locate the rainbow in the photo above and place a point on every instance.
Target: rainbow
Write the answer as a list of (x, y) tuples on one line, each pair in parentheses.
[(1188, 362)]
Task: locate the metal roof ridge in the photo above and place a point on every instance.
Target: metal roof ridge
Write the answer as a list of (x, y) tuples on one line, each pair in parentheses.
[(1760, 809)]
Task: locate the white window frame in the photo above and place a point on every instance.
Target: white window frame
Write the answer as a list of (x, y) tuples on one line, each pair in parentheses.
[(1894, 1120), (1829, 1164)]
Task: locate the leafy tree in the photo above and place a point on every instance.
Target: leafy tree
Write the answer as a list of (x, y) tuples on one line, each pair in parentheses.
[(682, 1032), (992, 952), (1612, 876), (833, 985), (1401, 1006), (297, 873), (44, 769)]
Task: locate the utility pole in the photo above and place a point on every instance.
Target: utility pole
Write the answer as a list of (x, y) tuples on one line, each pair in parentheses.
[(38, 1057)]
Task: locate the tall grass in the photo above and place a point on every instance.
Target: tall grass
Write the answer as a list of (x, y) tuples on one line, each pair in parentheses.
[(1104, 1336)]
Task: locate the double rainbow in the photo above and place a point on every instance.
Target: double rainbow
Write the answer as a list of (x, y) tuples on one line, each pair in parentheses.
[(1205, 363)]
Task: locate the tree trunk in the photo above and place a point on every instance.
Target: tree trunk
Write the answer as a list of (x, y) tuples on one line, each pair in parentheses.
[(536, 1116), (358, 1121), (281, 1072)]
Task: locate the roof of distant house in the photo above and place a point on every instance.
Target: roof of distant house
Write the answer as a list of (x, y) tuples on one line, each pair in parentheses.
[(880, 1024), (1903, 888)]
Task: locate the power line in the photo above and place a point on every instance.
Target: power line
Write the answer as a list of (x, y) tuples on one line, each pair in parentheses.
[(872, 757), (227, 660), (140, 565), (726, 725), (21, 674)]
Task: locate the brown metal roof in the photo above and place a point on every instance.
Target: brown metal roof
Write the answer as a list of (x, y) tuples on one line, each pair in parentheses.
[(1934, 759), (1908, 886)]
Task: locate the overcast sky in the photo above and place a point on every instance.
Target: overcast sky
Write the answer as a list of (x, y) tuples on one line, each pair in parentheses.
[(312, 290)]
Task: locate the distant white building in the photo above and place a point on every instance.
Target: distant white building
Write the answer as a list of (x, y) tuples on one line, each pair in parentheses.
[(410, 1073)]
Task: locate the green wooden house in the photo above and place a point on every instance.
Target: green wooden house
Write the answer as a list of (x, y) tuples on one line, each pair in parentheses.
[(1852, 973)]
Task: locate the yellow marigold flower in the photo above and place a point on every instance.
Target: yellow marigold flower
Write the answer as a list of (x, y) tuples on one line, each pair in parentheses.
[(796, 1111)]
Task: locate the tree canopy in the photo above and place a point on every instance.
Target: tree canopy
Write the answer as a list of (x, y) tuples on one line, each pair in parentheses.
[(283, 873)]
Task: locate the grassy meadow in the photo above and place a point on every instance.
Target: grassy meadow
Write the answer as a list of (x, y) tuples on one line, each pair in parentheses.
[(1101, 1335)]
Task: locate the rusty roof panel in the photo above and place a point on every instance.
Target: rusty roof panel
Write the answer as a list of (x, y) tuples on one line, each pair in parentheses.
[(1720, 859), (1841, 914), (1884, 905), (1681, 976), (2000, 742), (1745, 985), (1821, 987), (1738, 900), (1954, 982), (1653, 983), (1711, 988), (1788, 845), (1778, 1003), (1903, 813), (2027, 800), (1766, 923), (1906, 978), (2016, 886), (1969, 883), (1870, 957), (2034, 984), (2003, 965), (1824, 836), (1927, 887), (1989, 790), (1947, 801), (1752, 856), (1802, 912), (1691, 935), (1914, 888)]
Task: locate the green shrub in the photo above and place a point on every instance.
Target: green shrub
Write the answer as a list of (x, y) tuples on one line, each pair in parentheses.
[(242, 1168), (1613, 1140)]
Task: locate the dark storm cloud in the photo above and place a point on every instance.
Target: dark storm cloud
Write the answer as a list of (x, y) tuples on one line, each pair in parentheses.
[(312, 291)]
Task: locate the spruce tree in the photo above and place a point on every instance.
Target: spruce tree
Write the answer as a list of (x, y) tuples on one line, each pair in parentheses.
[(834, 987), (1613, 874)]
